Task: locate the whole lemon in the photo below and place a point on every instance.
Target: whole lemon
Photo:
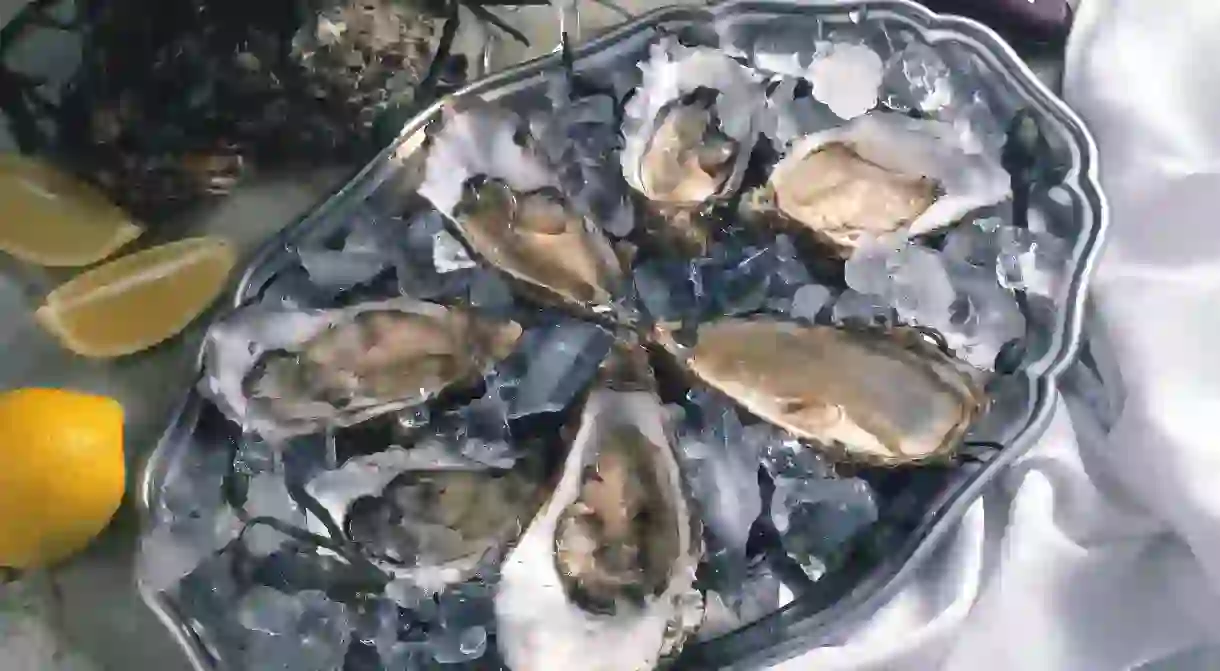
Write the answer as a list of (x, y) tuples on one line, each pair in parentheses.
[(62, 473)]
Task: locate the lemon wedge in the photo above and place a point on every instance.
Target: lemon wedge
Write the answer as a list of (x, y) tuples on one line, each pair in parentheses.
[(64, 473), (136, 301), (53, 219)]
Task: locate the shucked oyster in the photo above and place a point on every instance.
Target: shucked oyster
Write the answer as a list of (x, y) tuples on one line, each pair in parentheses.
[(687, 135), (506, 205), (427, 515), (888, 398), (603, 577), (284, 372), (879, 174), (689, 129)]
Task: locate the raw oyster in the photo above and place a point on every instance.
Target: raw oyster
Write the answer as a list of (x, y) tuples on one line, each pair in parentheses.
[(687, 136), (287, 372), (603, 578), (427, 515), (689, 129), (888, 398), (505, 203), (881, 173)]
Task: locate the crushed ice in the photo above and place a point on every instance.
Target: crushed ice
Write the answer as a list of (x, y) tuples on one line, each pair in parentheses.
[(743, 475)]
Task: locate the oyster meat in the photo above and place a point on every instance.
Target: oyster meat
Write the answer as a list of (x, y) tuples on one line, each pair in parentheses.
[(603, 577), (506, 205), (284, 372), (882, 173), (424, 514), (887, 398)]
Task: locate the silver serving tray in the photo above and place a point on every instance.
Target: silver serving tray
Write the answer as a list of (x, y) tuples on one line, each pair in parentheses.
[(1076, 211)]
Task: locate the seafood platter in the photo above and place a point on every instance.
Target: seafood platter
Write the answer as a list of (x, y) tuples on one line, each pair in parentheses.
[(677, 349)]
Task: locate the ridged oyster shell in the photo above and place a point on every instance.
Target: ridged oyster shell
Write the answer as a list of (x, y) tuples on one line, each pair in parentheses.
[(506, 205), (282, 372), (881, 397), (882, 173), (691, 125), (603, 577), (424, 514)]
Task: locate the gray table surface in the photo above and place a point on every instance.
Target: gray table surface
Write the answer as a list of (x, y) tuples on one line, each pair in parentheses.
[(85, 615)]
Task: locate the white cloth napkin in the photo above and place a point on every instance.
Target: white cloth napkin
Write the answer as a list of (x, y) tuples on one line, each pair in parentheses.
[(1100, 549)]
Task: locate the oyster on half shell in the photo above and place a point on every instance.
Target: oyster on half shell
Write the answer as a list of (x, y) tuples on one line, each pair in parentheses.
[(426, 515), (603, 577), (287, 372), (505, 203), (881, 397), (687, 136), (881, 173), (690, 127)]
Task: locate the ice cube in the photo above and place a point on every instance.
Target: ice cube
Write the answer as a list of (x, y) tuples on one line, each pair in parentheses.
[(556, 362), (790, 274), (448, 254), (303, 632), (337, 271), (846, 77), (789, 117), (456, 647), (482, 432), (490, 292), (195, 486), (256, 455), (748, 601), (270, 611), (473, 642), (295, 290), (975, 243), (375, 621), (808, 301), (416, 267), (859, 309), (464, 612), (980, 128), (665, 291), (411, 419), (721, 469), (816, 517), (737, 281), (983, 317), (867, 270), (267, 496), (917, 78), (407, 593), (174, 549), (1033, 262), (921, 291)]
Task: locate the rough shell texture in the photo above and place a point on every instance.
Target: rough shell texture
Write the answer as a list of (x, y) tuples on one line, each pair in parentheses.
[(883, 173), (283, 372), (603, 577), (888, 398)]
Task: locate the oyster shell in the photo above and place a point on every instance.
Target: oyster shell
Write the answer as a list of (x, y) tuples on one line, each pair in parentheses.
[(691, 125), (608, 565), (426, 515), (284, 372), (889, 398), (505, 203), (882, 173)]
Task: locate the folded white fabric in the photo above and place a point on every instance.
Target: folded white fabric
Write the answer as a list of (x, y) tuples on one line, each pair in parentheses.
[(1100, 549)]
